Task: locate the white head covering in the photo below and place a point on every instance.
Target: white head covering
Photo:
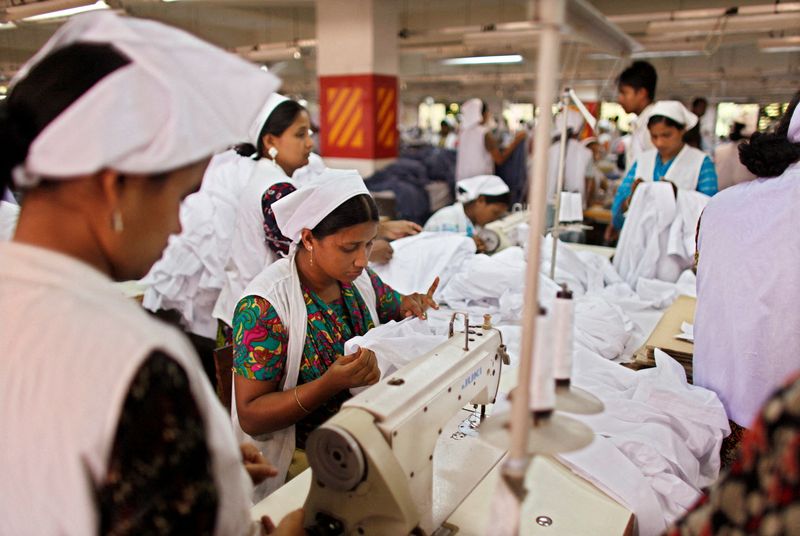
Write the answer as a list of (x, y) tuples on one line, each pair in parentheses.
[(574, 121), (676, 111), (178, 101), (306, 207), (587, 141), (450, 120), (794, 126), (471, 113), (255, 129), (474, 187)]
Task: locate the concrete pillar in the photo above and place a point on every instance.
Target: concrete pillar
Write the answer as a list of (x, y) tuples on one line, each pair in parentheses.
[(357, 69)]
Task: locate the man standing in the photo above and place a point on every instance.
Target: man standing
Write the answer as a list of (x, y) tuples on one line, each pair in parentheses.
[(637, 91)]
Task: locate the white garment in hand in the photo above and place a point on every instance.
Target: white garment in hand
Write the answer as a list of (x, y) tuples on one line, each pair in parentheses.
[(418, 259), (9, 214)]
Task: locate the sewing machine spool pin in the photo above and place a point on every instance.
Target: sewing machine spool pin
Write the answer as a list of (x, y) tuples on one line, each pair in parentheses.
[(451, 329)]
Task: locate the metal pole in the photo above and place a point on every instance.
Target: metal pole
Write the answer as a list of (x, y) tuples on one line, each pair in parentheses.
[(562, 164), (552, 19)]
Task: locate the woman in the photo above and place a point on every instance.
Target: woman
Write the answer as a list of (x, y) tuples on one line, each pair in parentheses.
[(747, 319), (123, 433), (293, 319), (671, 160), (478, 152), (481, 200)]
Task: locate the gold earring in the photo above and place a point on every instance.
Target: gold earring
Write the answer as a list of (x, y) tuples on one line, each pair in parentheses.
[(116, 221), (311, 257)]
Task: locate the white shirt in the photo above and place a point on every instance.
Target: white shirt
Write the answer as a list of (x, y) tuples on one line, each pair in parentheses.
[(9, 214), (451, 219), (472, 158), (640, 137), (747, 323), (576, 162)]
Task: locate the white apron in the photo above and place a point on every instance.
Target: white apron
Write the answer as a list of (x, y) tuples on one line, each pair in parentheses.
[(684, 171), (72, 344), (279, 284)]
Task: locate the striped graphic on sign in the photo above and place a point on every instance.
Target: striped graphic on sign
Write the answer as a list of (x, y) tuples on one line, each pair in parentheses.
[(345, 113), (386, 117)]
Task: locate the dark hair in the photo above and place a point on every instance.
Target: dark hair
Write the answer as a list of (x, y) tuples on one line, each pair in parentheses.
[(276, 124), (640, 74), (656, 119), (51, 86), (736, 131), (492, 199), (768, 155), (356, 210), (484, 108), (699, 100)]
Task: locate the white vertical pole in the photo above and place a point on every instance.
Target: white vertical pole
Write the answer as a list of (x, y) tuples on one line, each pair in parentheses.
[(552, 18), (562, 164)]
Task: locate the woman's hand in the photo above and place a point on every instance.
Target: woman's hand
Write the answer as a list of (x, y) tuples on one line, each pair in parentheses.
[(354, 370), (382, 252), (255, 464), (416, 304), (394, 229), (480, 247), (290, 525)]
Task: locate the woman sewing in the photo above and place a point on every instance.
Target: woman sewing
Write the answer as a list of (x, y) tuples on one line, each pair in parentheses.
[(481, 200), (291, 325), (672, 160)]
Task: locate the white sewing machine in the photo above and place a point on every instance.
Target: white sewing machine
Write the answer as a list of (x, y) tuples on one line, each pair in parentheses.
[(392, 461), (502, 233), (404, 457)]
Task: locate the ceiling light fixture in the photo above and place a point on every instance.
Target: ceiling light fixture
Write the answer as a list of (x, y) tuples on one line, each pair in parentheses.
[(51, 9), (780, 44), (484, 60)]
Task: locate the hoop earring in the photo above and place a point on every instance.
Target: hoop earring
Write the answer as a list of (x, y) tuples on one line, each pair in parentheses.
[(117, 224)]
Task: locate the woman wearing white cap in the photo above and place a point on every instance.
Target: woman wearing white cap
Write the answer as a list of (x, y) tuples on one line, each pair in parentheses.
[(109, 423), (293, 319), (671, 160), (481, 200), (748, 286)]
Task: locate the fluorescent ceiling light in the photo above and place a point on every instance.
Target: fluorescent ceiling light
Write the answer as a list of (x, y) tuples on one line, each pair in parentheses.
[(780, 44), (56, 10), (483, 60), (7, 25), (666, 54)]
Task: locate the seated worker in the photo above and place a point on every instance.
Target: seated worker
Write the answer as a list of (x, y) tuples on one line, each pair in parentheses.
[(481, 200), (671, 160), (291, 325)]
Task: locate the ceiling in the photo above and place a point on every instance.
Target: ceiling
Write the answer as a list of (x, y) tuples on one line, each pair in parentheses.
[(696, 48)]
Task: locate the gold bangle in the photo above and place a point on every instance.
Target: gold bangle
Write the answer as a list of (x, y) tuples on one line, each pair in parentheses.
[(297, 399)]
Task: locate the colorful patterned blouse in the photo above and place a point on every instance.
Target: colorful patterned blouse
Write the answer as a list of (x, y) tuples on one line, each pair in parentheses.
[(260, 340)]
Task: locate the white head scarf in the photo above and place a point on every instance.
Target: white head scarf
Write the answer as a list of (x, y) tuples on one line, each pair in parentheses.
[(574, 121), (306, 207), (471, 113), (178, 101), (676, 111), (794, 126), (474, 187), (255, 129)]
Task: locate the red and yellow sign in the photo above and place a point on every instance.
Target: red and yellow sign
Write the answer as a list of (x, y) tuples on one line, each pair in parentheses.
[(358, 116)]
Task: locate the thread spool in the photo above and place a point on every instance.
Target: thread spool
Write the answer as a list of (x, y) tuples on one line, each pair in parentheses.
[(563, 326), (543, 387)]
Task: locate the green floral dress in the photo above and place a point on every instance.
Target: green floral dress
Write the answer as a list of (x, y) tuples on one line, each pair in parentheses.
[(260, 340)]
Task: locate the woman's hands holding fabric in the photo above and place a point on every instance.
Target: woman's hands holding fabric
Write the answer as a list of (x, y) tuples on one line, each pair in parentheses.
[(382, 252), (354, 370), (255, 464), (394, 229), (416, 304)]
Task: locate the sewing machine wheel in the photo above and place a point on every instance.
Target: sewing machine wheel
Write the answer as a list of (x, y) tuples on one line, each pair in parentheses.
[(491, 240), (336, 458)]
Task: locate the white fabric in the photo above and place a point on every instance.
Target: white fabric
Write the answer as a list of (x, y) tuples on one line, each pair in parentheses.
[(9, 214), (684, 171), (191, 272), (306, 207), (90, 355), (639, 140), (177, 102), (472, 188), (279, 284), (730, 170), (747, 322), (309, 172), (576, 161), (657, 240), (793, 134), (676, 111), (418, 259), (471, 113), (271, 103), (395, 344), (574, 122), (249, 253), (450, 219), (472, 158)]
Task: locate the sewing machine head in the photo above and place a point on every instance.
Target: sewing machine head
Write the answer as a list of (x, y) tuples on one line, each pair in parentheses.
[(502, 233), (378, 464)]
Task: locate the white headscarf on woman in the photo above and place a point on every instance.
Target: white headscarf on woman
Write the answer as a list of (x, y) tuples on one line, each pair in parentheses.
[(254, 132), (180, 92), (471, 113), (676, 111), (474, 187)]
